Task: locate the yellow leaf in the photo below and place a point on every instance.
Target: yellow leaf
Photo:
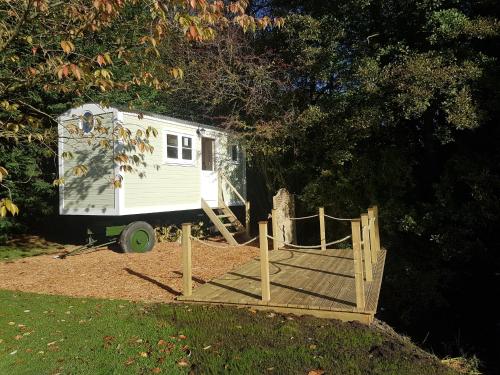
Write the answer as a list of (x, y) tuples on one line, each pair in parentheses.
[(6, 205), (58, 181), (67, 46), (3, 173)]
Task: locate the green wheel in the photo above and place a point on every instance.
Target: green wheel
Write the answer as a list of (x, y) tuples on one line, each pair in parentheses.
[(137, 237)]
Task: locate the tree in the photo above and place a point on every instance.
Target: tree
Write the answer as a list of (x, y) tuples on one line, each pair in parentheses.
[(394, 103), (53, 50)]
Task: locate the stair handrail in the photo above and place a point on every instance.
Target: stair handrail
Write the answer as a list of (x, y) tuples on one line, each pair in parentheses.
[(223, 177)]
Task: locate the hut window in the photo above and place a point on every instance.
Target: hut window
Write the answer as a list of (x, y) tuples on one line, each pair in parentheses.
[(187, 148), (234, 152), (172, 146), (87, 122), (180, 149)]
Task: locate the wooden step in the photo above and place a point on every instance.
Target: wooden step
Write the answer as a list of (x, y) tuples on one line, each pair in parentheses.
[(218, 223)]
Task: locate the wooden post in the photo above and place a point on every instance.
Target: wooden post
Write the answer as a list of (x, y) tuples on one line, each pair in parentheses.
[(377, 228), (274, 224), (264, 262), (358, 268), (375, 245), (247, 218), (187, 276), (322, 234), (367, 253)]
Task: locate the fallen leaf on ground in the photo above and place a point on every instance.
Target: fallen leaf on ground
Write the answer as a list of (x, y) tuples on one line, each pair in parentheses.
[(129, 361), (143, 354), (316, 372), (182, 337), (156, 370), (161, 342), (183, 363)]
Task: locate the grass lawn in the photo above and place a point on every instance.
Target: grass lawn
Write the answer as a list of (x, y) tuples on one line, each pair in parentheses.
[(27, 246), (42, 334)]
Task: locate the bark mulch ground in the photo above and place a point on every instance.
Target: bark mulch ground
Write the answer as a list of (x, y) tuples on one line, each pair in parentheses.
[(155, 276)]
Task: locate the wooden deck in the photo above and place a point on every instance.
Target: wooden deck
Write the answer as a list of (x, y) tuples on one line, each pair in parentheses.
[(312, 282)]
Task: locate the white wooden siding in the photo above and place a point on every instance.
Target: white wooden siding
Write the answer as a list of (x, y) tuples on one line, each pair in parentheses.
[(92, 193), (158, 184)]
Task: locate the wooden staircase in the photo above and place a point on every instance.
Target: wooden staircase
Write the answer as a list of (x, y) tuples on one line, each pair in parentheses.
[(224, 219)]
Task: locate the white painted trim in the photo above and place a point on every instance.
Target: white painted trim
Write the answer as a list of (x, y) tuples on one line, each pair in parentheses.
[(118, 192), (88, 211), (60, 149)]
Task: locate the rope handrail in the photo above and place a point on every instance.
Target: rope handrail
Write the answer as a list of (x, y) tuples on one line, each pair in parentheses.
[(316, 215), (303, 217), (307, 246), (225, 246), (338, 218)]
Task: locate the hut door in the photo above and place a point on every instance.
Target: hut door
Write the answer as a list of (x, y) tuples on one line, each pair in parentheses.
[(208, 172)]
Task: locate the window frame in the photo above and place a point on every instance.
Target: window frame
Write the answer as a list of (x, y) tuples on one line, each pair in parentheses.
[(179, 160)]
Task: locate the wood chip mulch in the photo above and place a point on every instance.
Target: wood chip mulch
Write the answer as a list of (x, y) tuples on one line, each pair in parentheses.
[(154, 277)]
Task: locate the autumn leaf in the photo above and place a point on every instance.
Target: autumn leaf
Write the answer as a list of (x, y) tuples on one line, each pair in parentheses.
[(183, 363), (3, 173), (129, 361), (6, 205), (67, 46), (316, 372), (156, 370)]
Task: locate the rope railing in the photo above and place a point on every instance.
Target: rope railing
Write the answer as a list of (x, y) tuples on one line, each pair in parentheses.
[(303, 217), (316, 215), (309, 246), (338, 218), (224, 246)]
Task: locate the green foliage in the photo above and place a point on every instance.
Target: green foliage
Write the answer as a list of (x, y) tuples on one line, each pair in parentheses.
[(28, 184), (392, 103)]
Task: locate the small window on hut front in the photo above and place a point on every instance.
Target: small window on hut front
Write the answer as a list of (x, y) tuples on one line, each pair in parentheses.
[(233, 152), (87, 122)]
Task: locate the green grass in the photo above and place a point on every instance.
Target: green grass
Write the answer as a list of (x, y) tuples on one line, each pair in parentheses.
[(27, 246), (43, 334), (16, 252)]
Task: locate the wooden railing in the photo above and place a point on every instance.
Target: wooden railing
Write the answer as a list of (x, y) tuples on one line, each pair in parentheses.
[(365, 246), (224, 180)]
